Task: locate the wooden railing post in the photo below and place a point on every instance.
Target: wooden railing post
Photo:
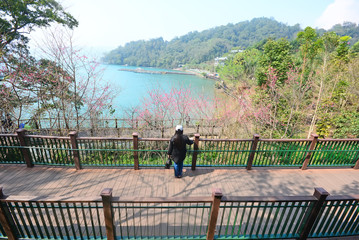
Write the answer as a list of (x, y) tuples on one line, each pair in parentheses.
[(135, 153), (253, 151), (75, 152), (195, 152), (321, 194), (117, 129), (25, 151), (309, 154), (6, 220), (106, 195), (217, 195), (356, 166)]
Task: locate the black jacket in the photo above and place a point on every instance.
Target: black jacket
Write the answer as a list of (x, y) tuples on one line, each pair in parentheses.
[(178, 154)]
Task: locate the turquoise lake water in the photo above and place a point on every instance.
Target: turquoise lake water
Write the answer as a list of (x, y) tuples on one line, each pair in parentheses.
[(130, 88)]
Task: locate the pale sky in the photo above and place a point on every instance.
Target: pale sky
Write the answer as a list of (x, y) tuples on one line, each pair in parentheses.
[(107, 24)]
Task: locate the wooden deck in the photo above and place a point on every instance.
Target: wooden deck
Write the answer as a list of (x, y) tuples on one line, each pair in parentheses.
[(56, 181)]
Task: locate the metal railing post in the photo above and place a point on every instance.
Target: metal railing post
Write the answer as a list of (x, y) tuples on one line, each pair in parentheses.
[(135, 153), (309, 154), (217, 195), (195, 152), (106, 195), (25, 151), (321, 194), (6, 220), (75, 152), (253, 151)]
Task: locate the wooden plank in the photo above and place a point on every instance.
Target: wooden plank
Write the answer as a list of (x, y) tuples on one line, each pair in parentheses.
[(57, 181)]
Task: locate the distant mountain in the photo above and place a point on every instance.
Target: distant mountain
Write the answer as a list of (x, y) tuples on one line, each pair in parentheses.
[(347, 29), (197, 47)]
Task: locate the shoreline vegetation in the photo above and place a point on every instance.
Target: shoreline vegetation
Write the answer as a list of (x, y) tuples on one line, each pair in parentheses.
[(178, 71)]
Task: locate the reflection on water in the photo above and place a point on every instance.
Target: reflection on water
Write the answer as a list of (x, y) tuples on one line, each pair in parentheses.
[(131, 87)]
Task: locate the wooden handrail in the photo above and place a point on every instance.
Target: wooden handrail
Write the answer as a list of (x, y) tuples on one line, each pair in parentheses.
[(199, 199), (167, 139), (285, 140), (154, 139), (50, 199), (8, 135), (267, 198), (47, 137), (196, 199), (224, 140), (105, 138)]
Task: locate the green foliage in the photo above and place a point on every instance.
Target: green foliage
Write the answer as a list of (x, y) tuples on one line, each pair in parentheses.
[(312, 79), (11, 155), (197, 47), (346, 124), (324, 124), (347, 29), (343, 49), (355, 49), (310, 46), (276, 55), (337, 117), (17, 15)]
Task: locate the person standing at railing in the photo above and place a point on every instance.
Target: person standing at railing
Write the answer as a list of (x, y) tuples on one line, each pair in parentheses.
[(177, 150)]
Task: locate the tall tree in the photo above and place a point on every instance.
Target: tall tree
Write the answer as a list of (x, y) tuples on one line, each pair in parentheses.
[(18, 17), (276, 57)]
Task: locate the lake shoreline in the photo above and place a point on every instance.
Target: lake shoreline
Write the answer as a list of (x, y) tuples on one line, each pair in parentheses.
[(200, 73), (141, 70)]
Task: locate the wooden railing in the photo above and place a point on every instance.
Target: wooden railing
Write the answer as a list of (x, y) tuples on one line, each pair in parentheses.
[(207, 217), (140, 152)]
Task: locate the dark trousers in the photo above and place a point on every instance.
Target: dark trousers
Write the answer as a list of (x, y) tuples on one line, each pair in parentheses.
[(178, 168)]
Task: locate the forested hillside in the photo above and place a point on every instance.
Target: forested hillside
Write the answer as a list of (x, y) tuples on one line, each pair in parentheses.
[(197, 47), (294, 88)]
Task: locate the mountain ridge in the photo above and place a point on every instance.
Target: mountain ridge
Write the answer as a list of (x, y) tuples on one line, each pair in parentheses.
[(198, 47)]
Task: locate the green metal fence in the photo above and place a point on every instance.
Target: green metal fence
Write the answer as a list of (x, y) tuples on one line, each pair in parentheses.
[(223, 153), (9, 151), (289, 153), (152, 152), (265, 218), (168, 220), (339, 216), (105, 151), (335, 153), (234, 217), (50, 150), (57, 220)]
